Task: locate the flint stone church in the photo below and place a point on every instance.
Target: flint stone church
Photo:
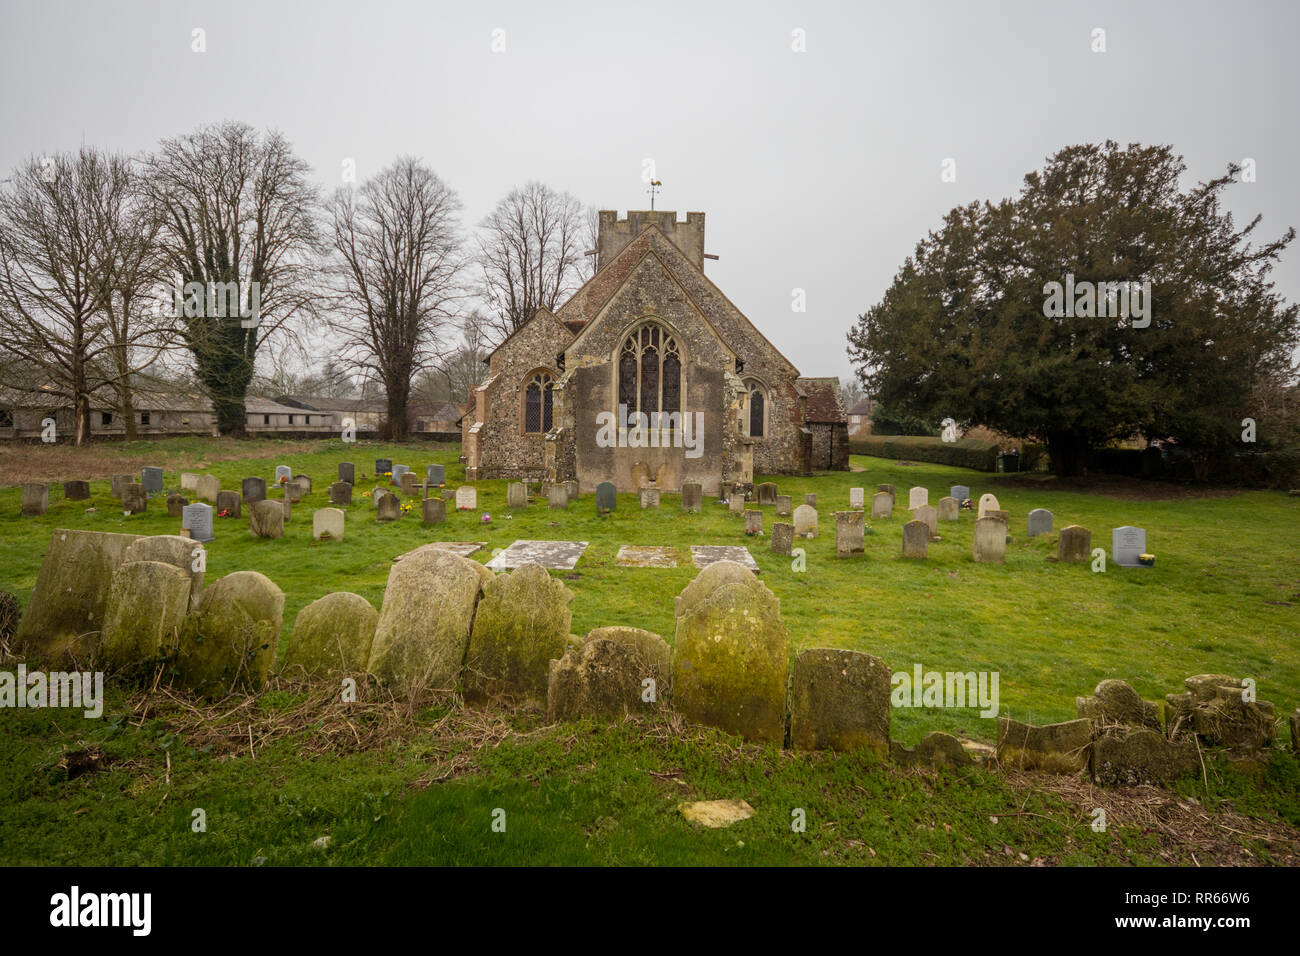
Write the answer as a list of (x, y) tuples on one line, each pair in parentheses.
[(649, 340)]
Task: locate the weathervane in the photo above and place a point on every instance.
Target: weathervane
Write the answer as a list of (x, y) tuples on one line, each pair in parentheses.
[(655, 185)]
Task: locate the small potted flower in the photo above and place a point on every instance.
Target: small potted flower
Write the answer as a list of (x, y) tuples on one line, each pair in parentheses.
[(486, 518), (1147, 560)]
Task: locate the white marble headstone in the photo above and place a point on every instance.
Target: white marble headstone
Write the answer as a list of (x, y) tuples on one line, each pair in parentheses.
[(1126, 544)]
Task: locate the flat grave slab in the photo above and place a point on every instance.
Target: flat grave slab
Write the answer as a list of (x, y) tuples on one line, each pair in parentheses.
[(646, 556), (705, 554), (554, 555), (463, 548)]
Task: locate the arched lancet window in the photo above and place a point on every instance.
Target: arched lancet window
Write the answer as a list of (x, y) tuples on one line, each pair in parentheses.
[(650, 372), (755, 412), (537, 403)]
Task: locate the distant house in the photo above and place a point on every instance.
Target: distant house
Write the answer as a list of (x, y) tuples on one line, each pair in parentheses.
[(264, 416), (365, 413), (156, 413), (860, 416), (437, 419)]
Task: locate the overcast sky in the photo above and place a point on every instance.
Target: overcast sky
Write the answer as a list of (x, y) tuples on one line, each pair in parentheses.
[(818, 170)]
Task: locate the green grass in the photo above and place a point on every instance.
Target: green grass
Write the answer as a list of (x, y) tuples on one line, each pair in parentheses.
[(579, 794)]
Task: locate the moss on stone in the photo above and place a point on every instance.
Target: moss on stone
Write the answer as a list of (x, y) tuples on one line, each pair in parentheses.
[(229, 642), (333, 634)]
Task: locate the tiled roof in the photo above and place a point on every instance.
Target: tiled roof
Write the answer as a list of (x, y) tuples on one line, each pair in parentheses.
[(822, 402)]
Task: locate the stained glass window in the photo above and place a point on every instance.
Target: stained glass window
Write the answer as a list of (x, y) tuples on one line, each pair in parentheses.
[(650, 372), (538, 405)]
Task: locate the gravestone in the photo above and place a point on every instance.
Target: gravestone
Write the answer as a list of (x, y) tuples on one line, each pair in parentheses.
[(850, 527), (645, 556), (253, 489), (390, 508), (134, 499), (433, 511), (988, 502), (1074, 545), (857, 498), (521, 624), (839, 700), (408, 483), (36, 498), (990, 545), (916, 497), (702, 555), (292, 491), (753, 522), (805, 521), (736, 503), (283, 474), (287, 508), (1040, 522), (810, 499), (1126, 544), (783, 506), (557, 496), (960, 492), (606, 497), (649, 497), (333, 634), (887, 489), (197, 520), (348, 472), (916, 539), (948, 508), (304, 482), (767, 493), (466, 498), (266, 519), (230, 502), (571, 489), (76, 490), (376, 493), (118, 482), (383, 466), (189, 481), (398, 472), (782, 538), (341, 493), (146, 607), (930, 515), (556, 555), (175, 505), (516, 495), (327, 521), (435, 476), (230, 641), (208, 488), (724, 490), (882, 505), (692, 496), (152, 480)]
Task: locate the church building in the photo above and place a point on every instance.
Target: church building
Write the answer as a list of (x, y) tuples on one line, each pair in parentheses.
[(649, 376)]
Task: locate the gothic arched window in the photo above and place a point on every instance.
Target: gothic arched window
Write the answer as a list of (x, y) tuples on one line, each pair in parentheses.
[(537, 403), (755, 416), (650, 372)]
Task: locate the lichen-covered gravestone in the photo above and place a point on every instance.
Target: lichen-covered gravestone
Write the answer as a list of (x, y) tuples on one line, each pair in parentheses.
[(948, 508), (917, 497), (731, 654), (850, 527), (174, 549), (990, 544), (692, 496), (253, 489), (521, 625), (409, 484), (782, 538), (146, 607), (333, 634), (753, 522), (197, 520), (1040, 522), (882, 505), (766, 493), (327, 522), (736, 503), (1074, 545), (266, 519), (433, 510), (230, 503), (600, 678), (134, 498), (606, 497), (117, 483), (208, 487), (36, 499), (783, 506), (840, 701), (805, 521), (229, 643), (916, 539)]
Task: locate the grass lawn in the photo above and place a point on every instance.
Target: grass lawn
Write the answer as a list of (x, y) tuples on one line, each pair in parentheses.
[(1224, 597)]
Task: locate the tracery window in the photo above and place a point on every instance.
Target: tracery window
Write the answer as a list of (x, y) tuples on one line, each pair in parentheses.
[(650, 372), (537, 403), (755, 411)]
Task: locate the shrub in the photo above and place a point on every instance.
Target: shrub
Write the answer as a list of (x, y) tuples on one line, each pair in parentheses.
[(963, 453)]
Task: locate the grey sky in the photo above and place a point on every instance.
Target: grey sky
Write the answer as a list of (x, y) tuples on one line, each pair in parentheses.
[(818, 170)]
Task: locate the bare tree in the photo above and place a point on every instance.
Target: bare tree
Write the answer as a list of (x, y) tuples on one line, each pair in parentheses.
[(239, 218), (398, 249), (530, 253)]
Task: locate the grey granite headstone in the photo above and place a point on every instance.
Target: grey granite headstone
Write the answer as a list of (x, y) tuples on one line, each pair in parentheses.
[(197, 520), (383, 466), (398, 472), (152, 479), (960, 492), (253, 489), (348, 472), (1126, 544), (341, 493), (1040, 522), (606, 497), (435, 475)]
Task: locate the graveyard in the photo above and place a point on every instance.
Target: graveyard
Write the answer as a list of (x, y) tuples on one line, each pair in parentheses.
[(398, 780)]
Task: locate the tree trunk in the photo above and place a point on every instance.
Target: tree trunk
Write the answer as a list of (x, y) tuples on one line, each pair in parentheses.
[(126, 408), (1069, 454), (395, 423)]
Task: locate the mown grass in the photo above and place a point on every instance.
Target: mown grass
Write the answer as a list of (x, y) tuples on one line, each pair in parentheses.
[(1224, 597)]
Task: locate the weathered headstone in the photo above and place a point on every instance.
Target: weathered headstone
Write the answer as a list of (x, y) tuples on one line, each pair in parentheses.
[(376, 493), (287, 507), (649, 497), (805, 521), (990, 544), (1040, 522), (692, 496), (606, 497), (850, 527), (144, 612), (1074, 545), (292, 491), (1116, 702), (152, 480), (882, 505), (1051, 748), (571, 489), (736, 503), (390, 508), (603, 676), (304, 482), (341, 493), (76, 490), (118, 482), (516, 495), (557, 496), (435, 475), (327, 521), (253, 489), (767, 493), (398, 472), (782, 538), (36, 498), (930, 515), (553, 555), (988, 502), (784, 506), (466, 498), (857, 498), (960, 492), (1126, 544), (348, 473), (283, 474), (521, 625), (208, 488), (916, 539), (174, 549), (810, 499), (840, 700), (407, 481), (266, 519), (333, 634), (175, 505), (189, 481), (197, 520), (949, 508), (230, 641), (753, 522), (888, 489), (433, 510), (230, 503), (916, 497)]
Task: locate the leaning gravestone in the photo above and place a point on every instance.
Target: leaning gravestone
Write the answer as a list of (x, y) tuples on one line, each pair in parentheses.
[(1074, 545), (433, 510), (1126, 544), (435, 475), (333, 634), (390, 508), (36, 499), (692, 496), (767, 493), (805, 521), (917, 497), (988, 502), (197, 520), (753, 522), (466, 498), (930, 515), (283, 474), (173, 549), (76, 490), (520, 626), (398, 472), (849, 530), (327, 521), (606, 497), (990, 545), (960, 492), (948, 508), (230, 503), (1040, 522), (175, 505), (230, 641), (152, 480), (916, 539), (118, 482), (857, 497), (207, 489), (840, 700), (557, 496), (882, 505), (383, 466), (516, 495), (266, 519), (134, 499), (143, 614), (348, 473), (783, 506), (253, 489), (782, 538), (649, 497), (341, 493)]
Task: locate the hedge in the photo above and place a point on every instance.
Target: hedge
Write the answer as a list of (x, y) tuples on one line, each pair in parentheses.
[(963, 453)]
